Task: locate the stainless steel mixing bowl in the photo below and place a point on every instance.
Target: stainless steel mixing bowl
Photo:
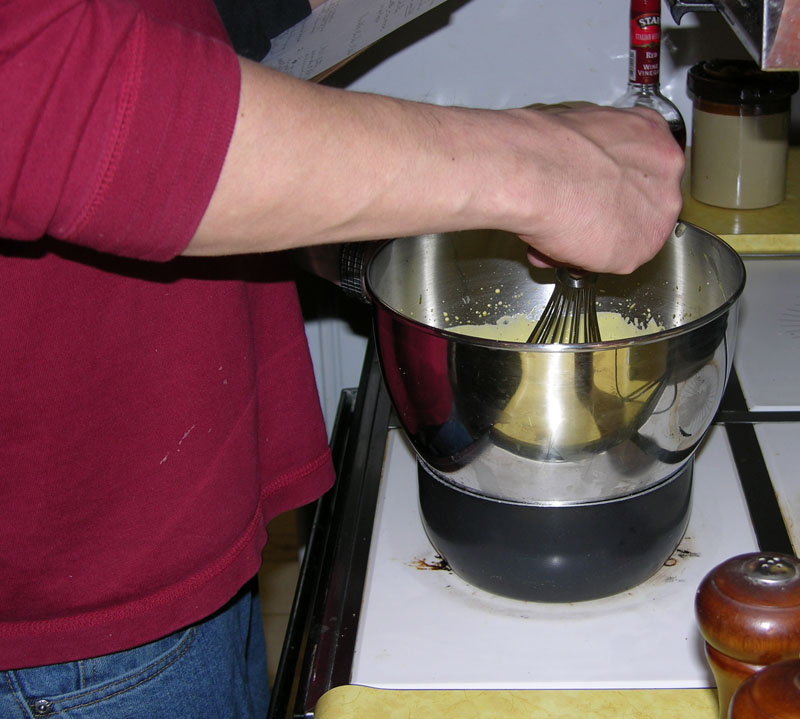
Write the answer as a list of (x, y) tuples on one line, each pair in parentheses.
[(553, 424)]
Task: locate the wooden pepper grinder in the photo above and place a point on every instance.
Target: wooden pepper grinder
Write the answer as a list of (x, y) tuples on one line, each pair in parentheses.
[(771, 693), (748, 611)]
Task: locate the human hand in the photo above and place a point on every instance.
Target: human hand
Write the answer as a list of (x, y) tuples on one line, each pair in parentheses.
[(605, 185)]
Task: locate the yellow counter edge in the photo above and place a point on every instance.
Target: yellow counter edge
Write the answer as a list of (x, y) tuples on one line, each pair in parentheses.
[(763, 245), (358, 702)]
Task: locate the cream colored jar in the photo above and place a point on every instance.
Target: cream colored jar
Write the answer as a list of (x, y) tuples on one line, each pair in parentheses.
[(740, 129)]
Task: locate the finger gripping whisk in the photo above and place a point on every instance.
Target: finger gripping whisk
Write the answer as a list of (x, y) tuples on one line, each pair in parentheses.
[(570, 316)]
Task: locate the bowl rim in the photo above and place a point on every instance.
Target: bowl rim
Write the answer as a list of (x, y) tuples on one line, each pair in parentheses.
[(640, 340)]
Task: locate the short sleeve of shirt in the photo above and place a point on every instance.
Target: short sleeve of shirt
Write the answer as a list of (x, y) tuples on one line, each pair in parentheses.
[(115, 124)]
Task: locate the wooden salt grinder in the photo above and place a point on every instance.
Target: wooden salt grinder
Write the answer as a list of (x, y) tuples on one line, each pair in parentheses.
[(748, 611)]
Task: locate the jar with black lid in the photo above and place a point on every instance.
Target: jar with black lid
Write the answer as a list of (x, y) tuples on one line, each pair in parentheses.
[(740, 131)]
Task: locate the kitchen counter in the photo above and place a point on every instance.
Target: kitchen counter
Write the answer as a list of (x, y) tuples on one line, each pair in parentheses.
[(769, 230)]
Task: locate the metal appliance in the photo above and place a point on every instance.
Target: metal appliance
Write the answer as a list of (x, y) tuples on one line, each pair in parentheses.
[(768, 29)]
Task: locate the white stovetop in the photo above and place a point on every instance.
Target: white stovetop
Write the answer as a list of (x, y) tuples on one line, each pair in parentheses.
[(426, 628), (423, 628), (768, 364), (768, 350)]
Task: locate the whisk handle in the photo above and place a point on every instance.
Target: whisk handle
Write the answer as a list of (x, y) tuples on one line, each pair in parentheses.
[(575, 278)]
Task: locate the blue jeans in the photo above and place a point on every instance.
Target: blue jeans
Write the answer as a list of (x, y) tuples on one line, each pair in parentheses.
[(216, 669)]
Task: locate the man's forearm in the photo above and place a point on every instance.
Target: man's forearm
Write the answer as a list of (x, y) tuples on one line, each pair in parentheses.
[(310, 165)]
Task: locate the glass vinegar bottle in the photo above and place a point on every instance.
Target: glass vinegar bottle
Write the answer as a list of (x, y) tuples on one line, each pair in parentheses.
[(644, 67)]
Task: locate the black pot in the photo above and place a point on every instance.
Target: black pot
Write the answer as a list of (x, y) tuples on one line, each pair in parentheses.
[(547, 553)]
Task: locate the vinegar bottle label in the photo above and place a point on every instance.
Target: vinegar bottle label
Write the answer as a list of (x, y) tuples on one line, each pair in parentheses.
[(645, 44)]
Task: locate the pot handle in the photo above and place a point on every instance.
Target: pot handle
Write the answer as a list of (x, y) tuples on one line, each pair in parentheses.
[(344, 265), (353, 261)]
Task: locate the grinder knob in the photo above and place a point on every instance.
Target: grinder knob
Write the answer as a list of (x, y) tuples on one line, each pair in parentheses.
[(772, 693), (748, 611)]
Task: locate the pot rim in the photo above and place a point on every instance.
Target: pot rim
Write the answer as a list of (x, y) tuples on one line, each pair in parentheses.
[(686, 466)]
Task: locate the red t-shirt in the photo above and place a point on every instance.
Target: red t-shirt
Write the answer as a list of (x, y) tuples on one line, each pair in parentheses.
[(156, 412)]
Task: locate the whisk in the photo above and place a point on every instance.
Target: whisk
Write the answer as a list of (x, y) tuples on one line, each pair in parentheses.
[(570, 316)]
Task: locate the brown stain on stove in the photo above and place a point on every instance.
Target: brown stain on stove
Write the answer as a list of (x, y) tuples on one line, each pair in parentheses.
[(683, 552), (678, 555), (437, 564)]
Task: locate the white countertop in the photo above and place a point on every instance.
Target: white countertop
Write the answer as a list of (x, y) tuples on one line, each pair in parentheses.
[(768, 348)]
